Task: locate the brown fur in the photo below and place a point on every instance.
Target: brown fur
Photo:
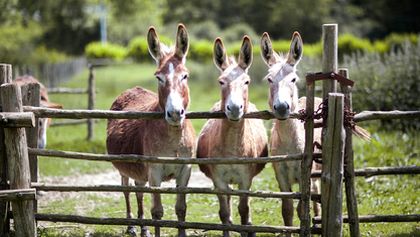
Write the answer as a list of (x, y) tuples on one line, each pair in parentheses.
[(171, 138)]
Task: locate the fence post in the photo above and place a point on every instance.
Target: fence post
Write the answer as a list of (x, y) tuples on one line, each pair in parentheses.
[(332, 167), (349, 175), (306, 163), (329, 56), (31, 96), (18, 163), (5, 77), (91, 101)]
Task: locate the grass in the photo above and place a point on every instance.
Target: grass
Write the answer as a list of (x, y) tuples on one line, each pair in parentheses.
[(378, 195)]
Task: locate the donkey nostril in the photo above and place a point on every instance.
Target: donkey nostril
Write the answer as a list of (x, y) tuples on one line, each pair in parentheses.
[(228, 108), (182, 112), (287, 106), (168, 114), (241, 106), (275, 107)]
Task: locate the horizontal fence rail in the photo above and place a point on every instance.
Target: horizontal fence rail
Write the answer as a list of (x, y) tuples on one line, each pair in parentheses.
[(64, 90), (378, 115), (17, 119), (167, 224), (17, 194), (374, 171), (110, 114), (166, 160), (379, 218), (119, 188)]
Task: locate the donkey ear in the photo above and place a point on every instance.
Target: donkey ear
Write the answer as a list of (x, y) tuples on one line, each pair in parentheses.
[(219, 55), (296, 49), (154, 44), (181, 47), (267, 52), (245, 55)]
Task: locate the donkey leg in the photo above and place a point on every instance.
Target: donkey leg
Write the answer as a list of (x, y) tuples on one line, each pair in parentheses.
[(243, 209), (224, 205), (285, 186), (181, 204), (315, 188), (131, 230), (140, 213), (157, 209)]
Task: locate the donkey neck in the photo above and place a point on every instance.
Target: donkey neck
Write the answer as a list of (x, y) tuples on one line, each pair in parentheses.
[(290, 132), (232, 132)]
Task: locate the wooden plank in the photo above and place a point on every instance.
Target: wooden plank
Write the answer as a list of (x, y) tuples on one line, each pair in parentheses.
[(69, 123), (119, 188), (5, 77), (164, 223), (91, 102), (373, 171), (380, 218), (306, 163), (349, 176), (165, 160), (31, 96), (63, 90), (17, 120), (110, 114), (17, 194), (384, 115), (18, 162), (332, 167), (329, 56)]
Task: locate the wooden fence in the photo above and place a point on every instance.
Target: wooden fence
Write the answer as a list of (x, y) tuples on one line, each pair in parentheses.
[(18, 171)]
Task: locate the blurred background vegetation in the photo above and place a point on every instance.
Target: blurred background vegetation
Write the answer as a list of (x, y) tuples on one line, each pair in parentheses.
[(378, 40)]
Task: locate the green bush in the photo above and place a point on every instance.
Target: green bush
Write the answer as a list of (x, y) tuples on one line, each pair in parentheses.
[(349, 44), (44, 55), (105, 51), (17, 43), (138, 48), (201, 50), (387, 82)]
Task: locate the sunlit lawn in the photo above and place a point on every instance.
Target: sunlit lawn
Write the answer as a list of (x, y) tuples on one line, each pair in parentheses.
[(378, 195)]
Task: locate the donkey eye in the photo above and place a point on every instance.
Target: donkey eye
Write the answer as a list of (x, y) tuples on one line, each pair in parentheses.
[(247, 83), (270, 80), (185, 76), (294, 80), (221, 83), (159, 79)]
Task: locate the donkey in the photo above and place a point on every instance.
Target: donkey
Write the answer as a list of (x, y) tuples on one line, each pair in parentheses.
[(174, 137), (233, 137), (43, 123), (287, 135)]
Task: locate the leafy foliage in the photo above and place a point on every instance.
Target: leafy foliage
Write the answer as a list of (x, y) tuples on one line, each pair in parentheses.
[(387, 82), (105, 51)]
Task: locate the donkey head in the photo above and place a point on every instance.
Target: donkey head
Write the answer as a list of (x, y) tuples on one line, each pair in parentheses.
[(234, 79), (282, 75), (172, 75)]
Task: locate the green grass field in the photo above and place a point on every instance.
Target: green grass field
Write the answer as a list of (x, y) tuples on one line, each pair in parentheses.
[(377, 195)]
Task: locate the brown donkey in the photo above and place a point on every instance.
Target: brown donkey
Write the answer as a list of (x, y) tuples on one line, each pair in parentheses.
[(233, 137), (173, 137), (287, 135)]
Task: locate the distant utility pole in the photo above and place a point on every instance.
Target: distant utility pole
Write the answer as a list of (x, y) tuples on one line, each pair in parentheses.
[(102, 22)]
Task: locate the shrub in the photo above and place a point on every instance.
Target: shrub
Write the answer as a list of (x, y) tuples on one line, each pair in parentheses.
[(349, 44), (43, 55), (201, 50), (387, 82), (138, 48), (105, 51)]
